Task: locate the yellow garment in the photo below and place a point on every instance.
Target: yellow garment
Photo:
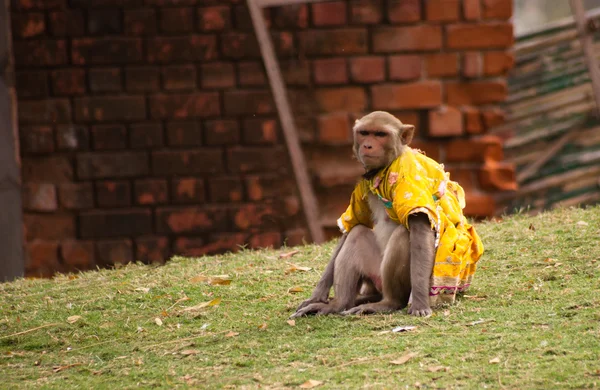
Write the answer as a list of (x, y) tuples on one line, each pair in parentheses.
[(415, 183)]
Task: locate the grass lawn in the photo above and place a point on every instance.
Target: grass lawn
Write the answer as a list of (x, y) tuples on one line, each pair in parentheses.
[(530, 320)]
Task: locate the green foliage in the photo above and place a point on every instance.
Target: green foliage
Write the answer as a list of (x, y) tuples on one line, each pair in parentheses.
[(530, 320)]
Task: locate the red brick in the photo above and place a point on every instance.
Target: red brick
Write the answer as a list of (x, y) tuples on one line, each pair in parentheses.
[(497, 9), (36, 139), (329, 14), (67, 23), (466, 177), (291, 205), (493, 117), (50, 169), (476, 93), (367, 69), (350, 99), (38, 4), (188, 190), (190, 220), (251, 74), (472, 64), (291, 16), (217, 75), (184, 134), (366, 11), (187, 162), (113, 252), (296, 237), (104, 21), (413, 38), (110, 108), (49, 227), (472, 9), (405, 67), (76, 196), (179, 77), (265, 240), (113, 193), (479, 36), (214, 18), (105, 80), (115, 223), (260, 131), (330, 71), (72, 137), (296, 72), (442, 10), (44, 111), (424, 94), (498, 176), (146, 135), (198, 104), (163, 3), (109, 137), (142, 79), (497, 63), (479, 205), (140, 21), (221, 132), (39, 197), (441, 65), (41, 259), (151, 191), (248, 102), (32, 84), (188, 48), (42, 52), (219, 243), (112, 165), (237, 45), (263, 186), (343, 41), (431, 149), (402, 11), (99, 51), (253, 216), (473, 121), (334, 128), (225, 189), (78, 255), (486, 148), (177, 20), (255, 159), (445, 121), (28, 25), (284, 43), (152, 249)]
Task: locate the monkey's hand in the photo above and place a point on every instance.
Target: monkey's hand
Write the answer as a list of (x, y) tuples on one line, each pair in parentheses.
[(318, 308), (315, 298), (420, 310)]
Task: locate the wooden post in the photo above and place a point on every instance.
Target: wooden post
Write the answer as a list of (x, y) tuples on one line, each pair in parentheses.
[(11, 218), (309, 201)]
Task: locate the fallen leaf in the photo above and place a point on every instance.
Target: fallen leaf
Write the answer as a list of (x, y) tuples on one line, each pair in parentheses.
[(404, 358), (203, 305), (232, 334), (296, 267), (263, 326), (199, 279), (288, 254), (437, 368), (62, 368), (582, 223), (478, 322), (295, 289), (495, 360), (531, 227), (73, 319), (309, 384), (217, 281), (189, 352), (158, 321), (474, 297), (291, 322), (407, 328), (143, 289)]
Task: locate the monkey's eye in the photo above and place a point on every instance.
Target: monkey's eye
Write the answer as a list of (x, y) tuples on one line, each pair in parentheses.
[(380, 134), (364, 133)]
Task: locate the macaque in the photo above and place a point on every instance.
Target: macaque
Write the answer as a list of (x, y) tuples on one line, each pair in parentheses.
[(404, 234)]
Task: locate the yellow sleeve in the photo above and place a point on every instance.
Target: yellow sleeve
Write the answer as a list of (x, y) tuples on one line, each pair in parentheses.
[(358, 211)]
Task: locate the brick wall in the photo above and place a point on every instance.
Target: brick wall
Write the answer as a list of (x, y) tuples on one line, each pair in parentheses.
[(148, 127)]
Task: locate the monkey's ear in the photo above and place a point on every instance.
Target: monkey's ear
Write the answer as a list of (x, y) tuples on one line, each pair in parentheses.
[(406, 133)]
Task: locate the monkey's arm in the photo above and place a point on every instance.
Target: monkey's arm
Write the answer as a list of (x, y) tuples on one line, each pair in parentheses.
[(321, 292), (422, 258)]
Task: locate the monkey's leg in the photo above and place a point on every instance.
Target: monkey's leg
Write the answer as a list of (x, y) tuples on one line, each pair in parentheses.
[(395, 275), (321, 291), (358, 257), (422, 259), (368, 292)]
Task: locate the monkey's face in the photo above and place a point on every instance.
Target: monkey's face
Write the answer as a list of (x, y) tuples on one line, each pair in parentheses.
[(375, 148)]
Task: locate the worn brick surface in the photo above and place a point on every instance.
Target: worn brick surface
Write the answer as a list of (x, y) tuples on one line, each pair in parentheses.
[(115, 223)]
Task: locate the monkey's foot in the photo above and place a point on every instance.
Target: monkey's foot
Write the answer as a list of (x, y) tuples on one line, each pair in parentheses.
[(317, 309), (310, 301), (372, 308), (420, 311)]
